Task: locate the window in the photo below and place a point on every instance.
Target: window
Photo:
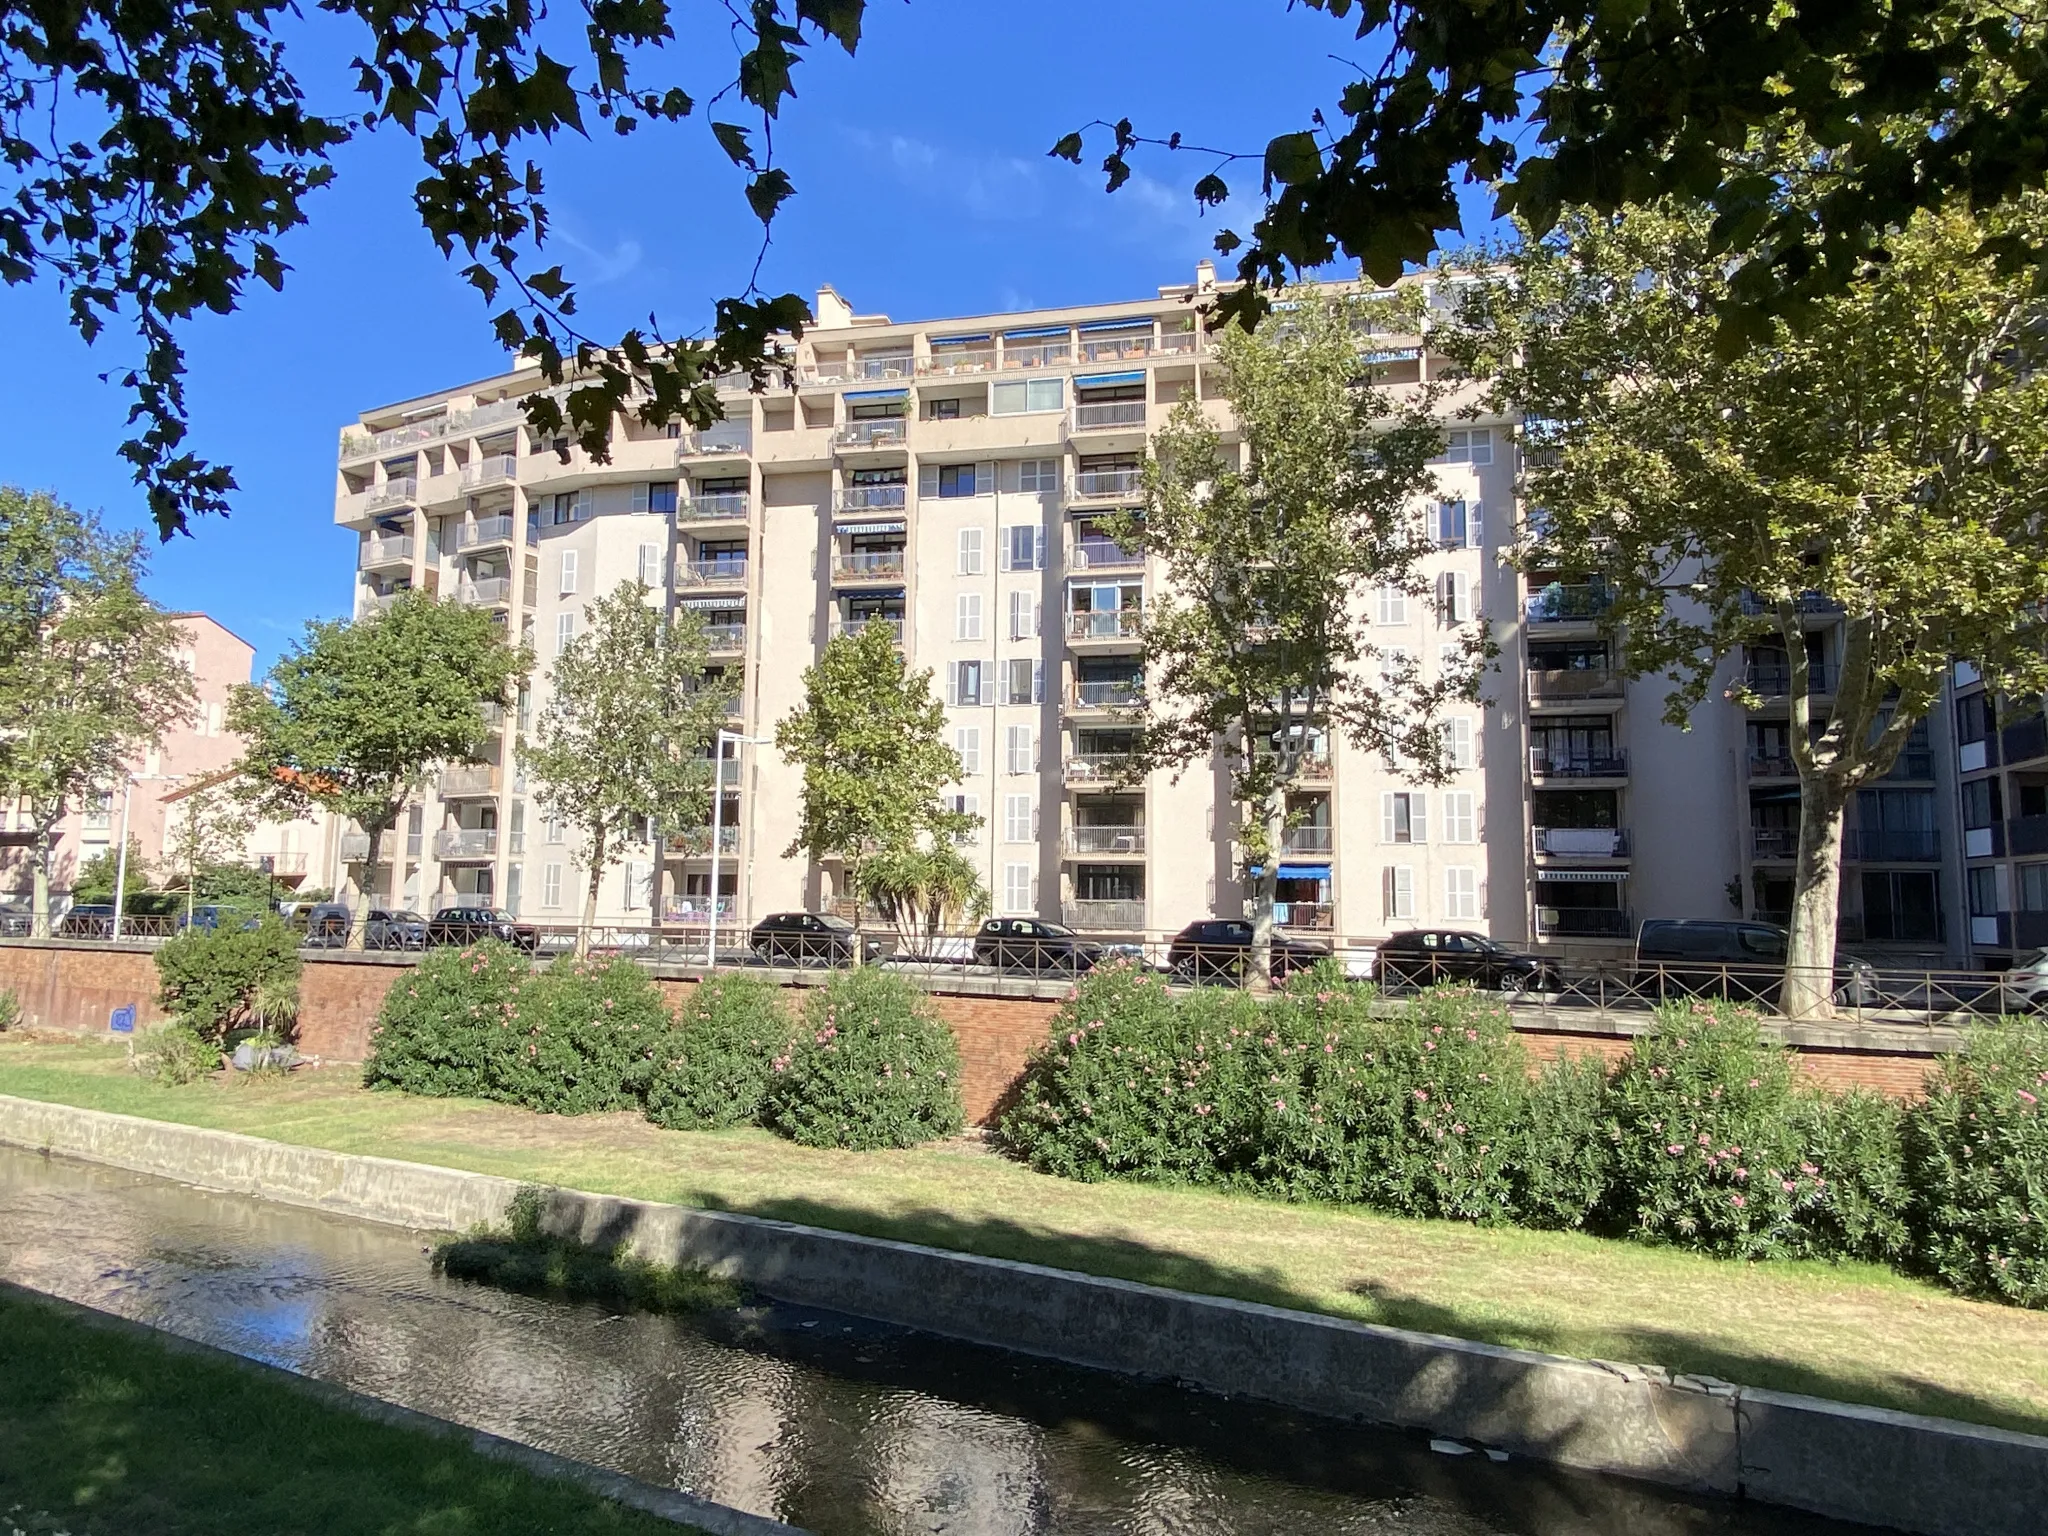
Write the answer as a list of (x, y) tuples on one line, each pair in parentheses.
[(1469, 446), (1984, 900), (650, 565), (1454, 597), (965, 805), (1450, 524), (1019, 819), (568, 507), (1461, 892), (942, 410), (551, 830), (1404, 817), (658, 497), (565, 631), (2033, 887), (967, 616), (1458, 742), (967, 744), (1973, 718), (1021, 395), (966, 677), (1017, 888), (970, 551), (1023, 547), (1396, 667), (1022, 749), (1026, 681), (1393, 606), (1981, 803), (569, 563), (639, 883), (1038, 475), (1397, 892), (1023, 616), (551, 885), (956, 480)]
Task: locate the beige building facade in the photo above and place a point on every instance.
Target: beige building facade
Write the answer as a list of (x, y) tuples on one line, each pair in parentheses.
[(944, 478)]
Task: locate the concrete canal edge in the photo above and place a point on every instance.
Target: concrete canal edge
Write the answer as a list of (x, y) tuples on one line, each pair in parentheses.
[(1906, 1471), (665, 1503)]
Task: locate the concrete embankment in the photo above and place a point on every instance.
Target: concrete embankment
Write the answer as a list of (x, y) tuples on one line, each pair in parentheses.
[(1893, 1469)]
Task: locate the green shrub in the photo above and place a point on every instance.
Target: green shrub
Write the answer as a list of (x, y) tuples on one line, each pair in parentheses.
[(174, 1054), (209, 977), (1977, 1163), (586, 1033), (1560, 1156), (446, 1029), (713, 1070), (1706, 1150), (1858, 1205), (873, 1066), (10, 1010)]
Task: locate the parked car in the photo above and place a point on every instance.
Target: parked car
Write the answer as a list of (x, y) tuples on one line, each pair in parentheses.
[(1218, 949), (14, 923), (466, 925), (1423, 956), (208, 917), (810, 938), (1037, 948), (2024, 988), (394, 930), (1740, 960), (88, 920), (328, 924)]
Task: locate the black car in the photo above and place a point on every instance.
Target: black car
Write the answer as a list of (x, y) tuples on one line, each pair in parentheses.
[(1744, 961), (1218, 949), (88, 920), (466, 925), (327, 925), (809, 938), (1032, 946), (1424, 956), (395, 930)]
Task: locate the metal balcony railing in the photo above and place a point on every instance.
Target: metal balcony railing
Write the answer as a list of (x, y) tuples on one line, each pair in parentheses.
[(714, 507), (1307, 840), (496, 469), (1773, 679), (950, 360), (1103, 414), (1903, 845), (722, 638), (868, 564), (1091, 916), (1583, 923), (1101, 768), (1103, 555), (724, 571), (1107, 693), (1772, 765), (1582, 842), (492, 713), (853, 626), (1574, 683), (714, 442), (392, 493), (1036, 354), (870, 498), (1559, 604), (490, 591), (1774, 842), (1304, 916), (1561, 763), (696, 842), (891, 432), (476, 781), (1106, 839), (1102, 484), (394, 550), (465, 842), (485, 531), (1115, 624), (376, 602), (1805, 602), (1116, 346)]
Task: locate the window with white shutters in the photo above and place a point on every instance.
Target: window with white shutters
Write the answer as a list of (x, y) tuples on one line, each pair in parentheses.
[(1396, 667), (551, 830), (1461, 823), (1475, 526), (1019, 819), (1397, 888), (639, 883), (1450, 524), (1454, 597), (1023, 547), (967, 744), (1461, 893), (567, 585), (967, 616), (1017, 888), (1023, 616), (1457, 733), (565, 631), (1404, 817), (551, 885), (965, 805), (650, 566), (1022, 749), (970, 551), (966, 677), (1393, 606), (1038, 475)]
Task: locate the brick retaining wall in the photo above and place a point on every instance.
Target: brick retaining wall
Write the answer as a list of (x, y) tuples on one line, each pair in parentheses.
[(74, 985)]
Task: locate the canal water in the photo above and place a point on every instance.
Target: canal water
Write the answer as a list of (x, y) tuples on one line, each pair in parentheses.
[(844, 1427)]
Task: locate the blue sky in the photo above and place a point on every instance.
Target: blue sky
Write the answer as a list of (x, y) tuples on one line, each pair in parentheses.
[(923, 189)]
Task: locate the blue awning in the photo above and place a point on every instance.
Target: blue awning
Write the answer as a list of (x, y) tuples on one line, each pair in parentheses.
[(1096, 380), (958, 341), (878, 394), (1037, 330), (1304, 871), (1139, 322)]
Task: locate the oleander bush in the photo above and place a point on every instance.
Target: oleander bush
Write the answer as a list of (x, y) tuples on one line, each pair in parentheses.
[(1860, 1203), (713, 1069), (10, 1010), (1560, 1158), (873, 1066), (1976, 1156), (211, 977), (446, 1029), (586, 1037)]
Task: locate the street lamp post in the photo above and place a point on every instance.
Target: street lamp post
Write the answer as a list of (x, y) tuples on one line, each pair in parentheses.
[(121, 859), (718, 829)]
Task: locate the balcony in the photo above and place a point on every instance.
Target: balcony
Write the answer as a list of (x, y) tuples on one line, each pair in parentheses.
[(402, 492), (1106, 841), (487, 591), (889, 432), (497, 469), (1107, 693), (869, 498), (1581, 842), (378, 554), (477, 781), (1583, 923), (696, 843), (1568, 685), (2027, 834), (374, 601), (1804, 603), (1547, 763), (1037, 354), (1773, 679), (1772, 765), (1774, 842), (459, 844), (724, 571), (1103, 555), (492, 713), (1558, 604), (1307, 840), (725, 639), (361, 445), (868, 565), (1107, 416), (355, 847), (1304, 916), (1101, 769), (484, 532), (1116, 624), (1105, 916), (1117, 346), (853, 626), (715, 443), (2024, 740), (714, 507), (946, 361), (1108, 484), (1893, 845)]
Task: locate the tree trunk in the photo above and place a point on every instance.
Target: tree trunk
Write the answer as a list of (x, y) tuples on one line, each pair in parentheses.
[(366, 898), (590, 895), (39, 903), (1809, 989), (1273, 815)]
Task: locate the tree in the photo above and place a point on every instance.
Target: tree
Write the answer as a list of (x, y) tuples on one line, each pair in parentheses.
[(1923, 102), (624, 736), (92, 672), (208, 826), (920, 890), (1879, 471), (869, 738), (1257, 641), (353, 716), (94, 879)]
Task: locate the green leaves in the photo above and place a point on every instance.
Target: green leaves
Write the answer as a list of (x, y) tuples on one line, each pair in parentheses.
[(1291, 159)]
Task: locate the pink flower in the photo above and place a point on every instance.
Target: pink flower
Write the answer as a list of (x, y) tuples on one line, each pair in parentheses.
[(1675, 1150), (2028, 1097), (1739, 1201), (1421, 1097), (1279, 1103), (1790, 1186), (1074, 1038)]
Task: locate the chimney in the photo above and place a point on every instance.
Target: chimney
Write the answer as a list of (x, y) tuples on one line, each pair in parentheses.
[(1205, 276), (831, 312)]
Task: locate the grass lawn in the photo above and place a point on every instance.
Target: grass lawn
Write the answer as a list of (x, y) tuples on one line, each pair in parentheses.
[(107, 1432), (1851, 1332)]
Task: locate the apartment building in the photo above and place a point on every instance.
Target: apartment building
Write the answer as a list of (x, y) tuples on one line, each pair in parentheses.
[(947, 479), (2001, 761)]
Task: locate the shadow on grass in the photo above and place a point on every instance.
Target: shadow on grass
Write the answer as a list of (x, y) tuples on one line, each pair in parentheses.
[(1147, 1263)]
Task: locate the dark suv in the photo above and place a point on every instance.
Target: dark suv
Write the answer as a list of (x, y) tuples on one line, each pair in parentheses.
[(395, 930), (1425, 956), (809, 938), (1746, 961), (90, 920), (466, 925), (1035, 947), (1218, 949)]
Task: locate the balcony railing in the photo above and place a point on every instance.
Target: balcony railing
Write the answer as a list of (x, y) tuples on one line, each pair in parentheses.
[(1107, 693), (1117, 345), (890, 432), (494, 470), (1548, 763), (714, 507), (396, 550), (1805, 602), (1572, 683), (2027, 834), (1036, 354), (1774, 842), (1103, 555), (853, 626), (1102, 768), (696, 843), (376, 602), (725, 638), (1773, 679), (485, 531), (1115, 624), (868, 565), (357, 445), (403, 491), (1902, 845), (1108, 414), (1106, 839), (1567, 604), (492, 713), (2024, 740), (476, 781), (725, 571), (489, 591), (1305, 916), (1307, 840), (1772, 765), (1107, 484), (355, 847), (1582, 842), (948, 360), (1583, 923), (1105, 916), (714, 443), (465, 842), (870, 498)]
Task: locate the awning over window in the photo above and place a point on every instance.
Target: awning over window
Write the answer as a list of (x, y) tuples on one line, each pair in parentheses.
[(1135, 323), (1100, 380), (1581, 876), (1394, 355), (879, 595), (958, 341), (896, 527), (1304, 871), (1035, 331), (878, 394), (713, 604)]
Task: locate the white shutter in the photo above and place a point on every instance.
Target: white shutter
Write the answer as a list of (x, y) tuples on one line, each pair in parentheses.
[(1475, 526), (967, 616), (1017, 887), (970, 551), (565, 631), (568, 581), (1418, 818), (1398, 888), (584, 506), (1461, 892), (1020, 615), (1393, 606), (551, 885), (1017, 819), (1389, 825), (928, 480), (1458, 741), (650, 565), (967, 744), (1458, 819)]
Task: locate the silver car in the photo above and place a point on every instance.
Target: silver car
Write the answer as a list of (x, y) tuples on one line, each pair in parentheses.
[(2025, 986)]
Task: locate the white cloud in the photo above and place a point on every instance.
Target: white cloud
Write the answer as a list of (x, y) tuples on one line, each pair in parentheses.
[(599, 267)]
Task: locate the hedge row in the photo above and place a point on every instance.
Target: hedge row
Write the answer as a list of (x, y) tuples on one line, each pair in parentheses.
[(866, 1064), (1703, 1136)]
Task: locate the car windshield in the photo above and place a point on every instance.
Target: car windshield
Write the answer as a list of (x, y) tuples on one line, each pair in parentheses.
[(2037, 961), (836, 924), (1055, 931), (407, 917)]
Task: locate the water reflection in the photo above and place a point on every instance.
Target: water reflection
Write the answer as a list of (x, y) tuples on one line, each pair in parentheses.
[(844, 1427)]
